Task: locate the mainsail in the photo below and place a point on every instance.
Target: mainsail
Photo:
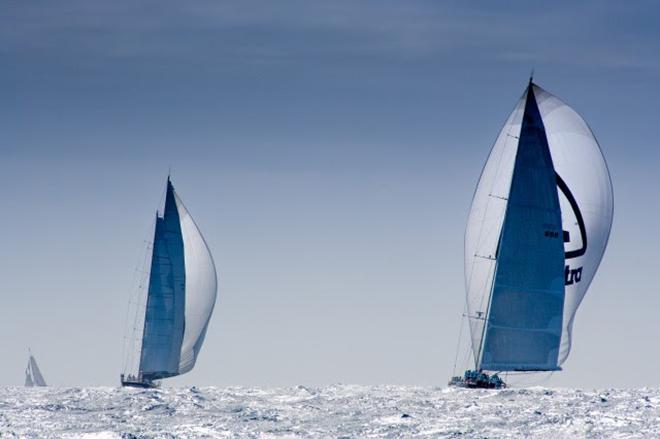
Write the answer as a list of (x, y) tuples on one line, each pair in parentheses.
[(33, 376), (537, 230), (180, 297)]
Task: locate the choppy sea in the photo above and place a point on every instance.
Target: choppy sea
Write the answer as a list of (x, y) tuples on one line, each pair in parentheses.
[(338, 411)]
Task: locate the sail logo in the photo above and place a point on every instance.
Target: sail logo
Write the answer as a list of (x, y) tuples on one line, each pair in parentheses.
[(573, 275), (575, 253)]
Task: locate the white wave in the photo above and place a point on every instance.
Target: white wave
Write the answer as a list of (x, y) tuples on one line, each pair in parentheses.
[(331, 411)]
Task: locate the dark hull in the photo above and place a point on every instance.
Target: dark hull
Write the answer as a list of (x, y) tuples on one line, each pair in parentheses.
[(141, 384), (477, 381), (474, 385)]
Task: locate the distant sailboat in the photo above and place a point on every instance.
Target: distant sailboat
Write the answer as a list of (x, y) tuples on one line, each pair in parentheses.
[(537, 230), (33, 376), (180, 298)]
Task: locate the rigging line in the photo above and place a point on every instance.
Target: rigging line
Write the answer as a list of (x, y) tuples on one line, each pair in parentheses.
[(460, 337), (467, 354), (467, 346), (484, 328)]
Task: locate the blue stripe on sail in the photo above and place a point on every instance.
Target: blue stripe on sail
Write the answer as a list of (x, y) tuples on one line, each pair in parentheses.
[(524, 325), (164, 318)]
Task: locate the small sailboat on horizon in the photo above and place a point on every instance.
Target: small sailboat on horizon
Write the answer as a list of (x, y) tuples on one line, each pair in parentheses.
[(180, 298), (33, 376), (536, 233)]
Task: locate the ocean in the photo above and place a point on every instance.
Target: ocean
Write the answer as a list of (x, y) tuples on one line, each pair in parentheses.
[(337, 411)]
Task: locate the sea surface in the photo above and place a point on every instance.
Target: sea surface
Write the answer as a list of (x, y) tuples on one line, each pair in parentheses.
[(338, 411)]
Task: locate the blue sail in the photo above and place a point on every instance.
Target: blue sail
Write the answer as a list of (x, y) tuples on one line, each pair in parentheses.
[(524, 318), (164, 318)]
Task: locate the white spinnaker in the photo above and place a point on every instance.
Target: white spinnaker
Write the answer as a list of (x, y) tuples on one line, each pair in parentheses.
[(579, 161), (484, 224), (201, 288)]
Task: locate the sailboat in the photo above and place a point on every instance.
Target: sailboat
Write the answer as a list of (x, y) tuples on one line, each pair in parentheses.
[(180, 298), (536, 233), (33, 376)]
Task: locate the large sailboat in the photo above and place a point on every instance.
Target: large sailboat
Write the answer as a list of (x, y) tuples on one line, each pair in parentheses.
[(536, 233), (33, 376), (181, 294)]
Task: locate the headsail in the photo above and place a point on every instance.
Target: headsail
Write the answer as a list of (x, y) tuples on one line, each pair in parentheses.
[(164, 318), (523, 321), (33, 376), (181, 295), (585, 198)]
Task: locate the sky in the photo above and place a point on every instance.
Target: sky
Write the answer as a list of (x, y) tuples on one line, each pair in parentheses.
[(328, 151)]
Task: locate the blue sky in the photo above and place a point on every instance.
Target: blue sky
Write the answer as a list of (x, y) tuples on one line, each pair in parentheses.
[(329, 152)]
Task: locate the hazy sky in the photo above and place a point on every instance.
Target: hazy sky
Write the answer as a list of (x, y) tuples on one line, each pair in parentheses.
[(328, 151)]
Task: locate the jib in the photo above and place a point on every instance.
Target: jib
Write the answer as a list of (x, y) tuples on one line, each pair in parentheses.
[(572, 276)]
